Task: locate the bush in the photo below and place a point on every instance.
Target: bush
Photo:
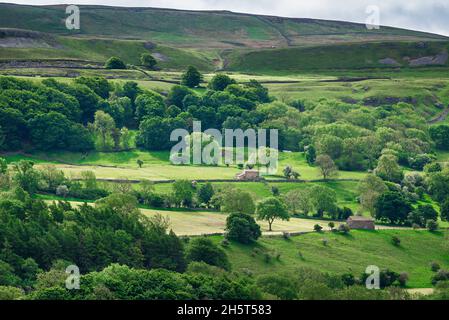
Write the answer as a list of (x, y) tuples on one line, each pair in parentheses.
[(225, 243), (396, 241), (148, 61), (115, 63), (203, 249), (344, 213), (280, 286), (435, 266), (348, 279), (286, 235), (432, 225), (403, 278), (317, 228), (242, 228), (344, 228), (442, 275)]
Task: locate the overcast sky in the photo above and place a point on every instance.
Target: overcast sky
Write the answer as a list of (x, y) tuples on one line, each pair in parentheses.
[(423, 15)]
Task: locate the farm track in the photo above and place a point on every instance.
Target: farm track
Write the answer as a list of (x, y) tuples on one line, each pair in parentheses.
[(440, 118)]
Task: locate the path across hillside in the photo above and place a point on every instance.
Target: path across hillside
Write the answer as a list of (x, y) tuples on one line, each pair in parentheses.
[(441, 117)]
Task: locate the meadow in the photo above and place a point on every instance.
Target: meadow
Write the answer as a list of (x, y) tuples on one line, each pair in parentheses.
[(353, 253)]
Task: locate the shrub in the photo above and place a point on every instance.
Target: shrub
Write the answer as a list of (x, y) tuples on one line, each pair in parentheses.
[(396, 241), (432, 225), (148, 61), (403, 278), (242, 228), (344, 228), (344, 213), (435, 266), (225, 243), (348, 279), (442, 275), (317, 228), (331, 225), (280, 286), (203, 249), (115, 63), (62, 191)]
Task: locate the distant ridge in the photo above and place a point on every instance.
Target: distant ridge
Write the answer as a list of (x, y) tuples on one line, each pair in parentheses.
[(213, 29)]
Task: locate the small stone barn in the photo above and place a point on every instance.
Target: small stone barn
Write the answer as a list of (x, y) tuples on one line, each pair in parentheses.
[(248, 175), (363, 223)]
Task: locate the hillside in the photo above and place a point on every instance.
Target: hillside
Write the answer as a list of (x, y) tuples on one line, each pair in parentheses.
[(210, 29), (209, 40)]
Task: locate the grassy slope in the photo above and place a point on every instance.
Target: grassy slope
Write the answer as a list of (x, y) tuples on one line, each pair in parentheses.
[(156, 166), (351, 253), (192, 28), (325, 57), (99, 50)]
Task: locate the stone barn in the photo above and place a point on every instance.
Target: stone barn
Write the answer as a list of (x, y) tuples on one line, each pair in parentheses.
[(248, 175), (361, 223)]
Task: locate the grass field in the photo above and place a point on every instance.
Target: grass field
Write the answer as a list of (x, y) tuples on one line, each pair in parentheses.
[(350, 253), (156, 166)]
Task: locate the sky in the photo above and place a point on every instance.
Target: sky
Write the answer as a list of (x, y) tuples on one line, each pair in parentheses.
[(423, 15)]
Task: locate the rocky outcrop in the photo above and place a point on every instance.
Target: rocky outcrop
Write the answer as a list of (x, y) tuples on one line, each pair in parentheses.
[(439, 59)]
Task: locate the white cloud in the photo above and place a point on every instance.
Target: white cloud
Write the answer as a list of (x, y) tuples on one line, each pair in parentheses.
[(423, 15)]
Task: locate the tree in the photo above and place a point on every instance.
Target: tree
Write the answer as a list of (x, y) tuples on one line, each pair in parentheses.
[(421, 215), (392, 207), (26, 176), (176, 96), (115, 63), (103, 124), (191, 78), (131, 90), (11, 293), (299, 201), (3, 166), (205, 193), (183, 193), (327, 166), (444, 210), (154, 133), (242, 228), (440, 135), (116, 135), (99, 85), (324, 200), (317, 228), (432, 225), (139, 163), (280, 286), (149, 104), (438, 185), (311, 154), (49, 131), (203, 249), (370, 188), (271, 209), (330, 145), (126, 137), (331, 225), (220, 81), (148, 61), (234, 200), (388, 168)]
